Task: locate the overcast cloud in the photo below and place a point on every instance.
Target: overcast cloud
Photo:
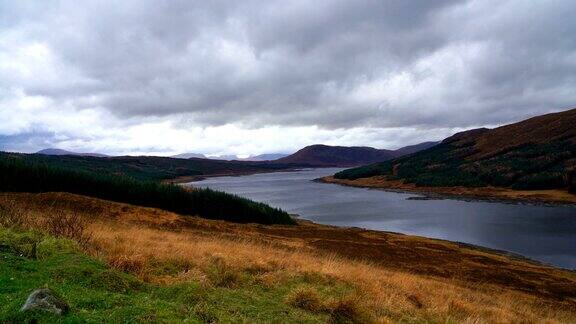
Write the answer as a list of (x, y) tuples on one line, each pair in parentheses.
[(241, 77)]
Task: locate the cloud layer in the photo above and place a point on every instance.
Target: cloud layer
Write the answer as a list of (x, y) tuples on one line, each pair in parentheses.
[(251, 76)]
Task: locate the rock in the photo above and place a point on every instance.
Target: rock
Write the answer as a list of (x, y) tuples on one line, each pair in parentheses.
[(45, 300)]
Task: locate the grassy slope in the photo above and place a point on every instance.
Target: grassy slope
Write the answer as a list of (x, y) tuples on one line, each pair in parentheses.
[(186, 267), (97, 293), (539, 153)]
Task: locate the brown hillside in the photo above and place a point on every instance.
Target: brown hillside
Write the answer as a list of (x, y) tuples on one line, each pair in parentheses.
[(536, 130), (535, 154), (346, 156)]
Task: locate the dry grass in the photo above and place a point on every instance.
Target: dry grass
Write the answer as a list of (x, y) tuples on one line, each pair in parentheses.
[(68, 224), (306, 298), (12, 216), (389, 294), (64, 223), (165, 248)]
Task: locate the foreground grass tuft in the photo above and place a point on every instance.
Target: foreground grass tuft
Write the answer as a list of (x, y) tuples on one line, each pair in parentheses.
[(305, 298)]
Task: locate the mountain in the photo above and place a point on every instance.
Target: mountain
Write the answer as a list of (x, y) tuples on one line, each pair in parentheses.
[(55, 151), (265, 157), (328, 156), (226, 157), (189, 156), (414, 148), (346, 156), (537, 153)]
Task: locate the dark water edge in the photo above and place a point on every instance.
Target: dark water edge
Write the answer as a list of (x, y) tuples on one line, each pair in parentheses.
[(543, 233)]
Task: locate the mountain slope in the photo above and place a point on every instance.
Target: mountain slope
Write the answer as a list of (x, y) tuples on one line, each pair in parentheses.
[(324, 155), (538, 153), (411, 149), (346, 156)]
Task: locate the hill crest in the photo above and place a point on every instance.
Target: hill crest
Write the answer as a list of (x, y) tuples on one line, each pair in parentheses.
[(346, 156)]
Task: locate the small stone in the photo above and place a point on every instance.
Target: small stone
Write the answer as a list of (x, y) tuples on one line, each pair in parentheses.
[(45, 300)]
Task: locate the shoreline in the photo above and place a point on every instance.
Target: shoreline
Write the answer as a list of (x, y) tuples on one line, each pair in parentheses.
[(547, 198), (475, 247)]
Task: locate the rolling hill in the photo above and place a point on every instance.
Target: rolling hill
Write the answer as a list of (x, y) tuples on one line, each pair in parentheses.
[(537, 153), (343, 156), (151, 168)]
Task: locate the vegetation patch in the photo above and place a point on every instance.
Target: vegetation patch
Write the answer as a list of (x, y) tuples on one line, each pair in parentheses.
[(305, 298), (526, 167), (17, 173), (97, 293)]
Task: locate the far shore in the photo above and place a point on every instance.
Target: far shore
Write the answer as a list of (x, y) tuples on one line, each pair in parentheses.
[(551, 197), (195, 178), (493, 194)]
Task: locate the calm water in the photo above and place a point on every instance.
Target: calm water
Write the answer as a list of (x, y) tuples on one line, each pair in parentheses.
[(546, 234)]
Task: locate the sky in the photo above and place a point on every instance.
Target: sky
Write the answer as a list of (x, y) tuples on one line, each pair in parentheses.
[(249, 77)]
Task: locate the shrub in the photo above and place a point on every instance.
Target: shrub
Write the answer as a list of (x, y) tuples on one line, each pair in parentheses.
[(306, 298), (222, 275), (12, 217), (68, 225), (348, 310)]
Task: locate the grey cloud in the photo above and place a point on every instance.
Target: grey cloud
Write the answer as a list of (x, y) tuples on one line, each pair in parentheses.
[(297, 63)]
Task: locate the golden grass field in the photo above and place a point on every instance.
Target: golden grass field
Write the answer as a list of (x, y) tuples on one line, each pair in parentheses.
[(394, 276)]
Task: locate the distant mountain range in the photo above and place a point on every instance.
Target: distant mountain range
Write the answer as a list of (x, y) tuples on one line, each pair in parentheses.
[(260, 157), (55, 151), (265, 157), (189, 156), (312, 156), (346, 156), (537, 153)]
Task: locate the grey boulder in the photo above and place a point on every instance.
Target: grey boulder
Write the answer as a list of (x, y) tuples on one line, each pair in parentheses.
[(45, 300)]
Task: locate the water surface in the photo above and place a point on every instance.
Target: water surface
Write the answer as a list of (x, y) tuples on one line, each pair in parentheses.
[(547, 234)]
